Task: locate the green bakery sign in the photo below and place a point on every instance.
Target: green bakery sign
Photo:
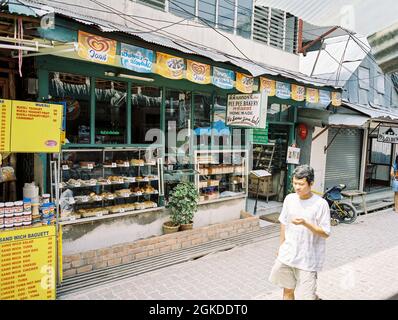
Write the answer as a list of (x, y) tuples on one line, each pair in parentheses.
[(260, 136)]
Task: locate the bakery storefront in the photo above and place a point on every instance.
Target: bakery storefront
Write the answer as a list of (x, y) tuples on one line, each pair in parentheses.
[(138, 119)]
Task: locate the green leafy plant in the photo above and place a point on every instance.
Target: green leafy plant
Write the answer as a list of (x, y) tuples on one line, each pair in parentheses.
[(183, 203)]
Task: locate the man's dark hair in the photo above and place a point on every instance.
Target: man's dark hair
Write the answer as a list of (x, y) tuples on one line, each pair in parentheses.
[(304, 171)]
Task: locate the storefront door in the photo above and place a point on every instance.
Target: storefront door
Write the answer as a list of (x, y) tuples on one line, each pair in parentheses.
[(379, 165)]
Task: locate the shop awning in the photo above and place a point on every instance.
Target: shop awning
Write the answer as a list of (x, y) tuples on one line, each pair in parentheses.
[(347, 120), (373, 113), (255, 68)]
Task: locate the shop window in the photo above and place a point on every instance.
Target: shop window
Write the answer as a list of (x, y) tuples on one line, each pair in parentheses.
[(146, 104), (75, 91), (110, 112), (207, 11), (280, 113), (221, 133), (363, 77), (381, 152), (185, 8), (244, 21), (178, 118), (202, 119), (226, 15)]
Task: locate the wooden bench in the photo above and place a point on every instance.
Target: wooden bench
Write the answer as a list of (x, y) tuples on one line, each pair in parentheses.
[(356, 193)]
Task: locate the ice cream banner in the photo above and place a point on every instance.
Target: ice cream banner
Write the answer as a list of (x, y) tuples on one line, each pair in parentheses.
[(169, 66), (336, 99), (298, 92), (324, 97), (96, 48), (312, 95), (198, 72), (283, 90), (136, 58), (267, 85), (223, 78), (244, 83)]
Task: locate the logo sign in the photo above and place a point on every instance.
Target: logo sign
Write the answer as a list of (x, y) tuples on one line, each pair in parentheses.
[(169, 66), (298, 92), (198, 72), (282, 90), (336, 99), (244, 83), (247, 110), (223, 78), (136, 59), (312, 95), (96, 48), (267, 85), (388, 135)]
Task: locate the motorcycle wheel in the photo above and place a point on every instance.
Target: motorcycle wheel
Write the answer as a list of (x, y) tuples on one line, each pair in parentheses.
[(345, 212)]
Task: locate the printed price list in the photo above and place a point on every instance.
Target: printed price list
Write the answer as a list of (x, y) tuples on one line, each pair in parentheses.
[(27, 264), (5, 125)]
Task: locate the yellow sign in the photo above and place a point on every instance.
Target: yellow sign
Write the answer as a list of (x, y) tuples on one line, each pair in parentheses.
[(336, 99), (244, 83), (96, 48), (28, 264), (5, 125), (36, 127), (298, 92), (169, 66), (312, 95), (268, 85), (198, 72)]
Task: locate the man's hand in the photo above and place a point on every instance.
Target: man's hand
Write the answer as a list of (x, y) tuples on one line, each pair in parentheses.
[(299, 221)]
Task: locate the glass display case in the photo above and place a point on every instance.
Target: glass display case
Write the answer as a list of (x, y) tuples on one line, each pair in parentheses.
[(221, 174), (99, 183)]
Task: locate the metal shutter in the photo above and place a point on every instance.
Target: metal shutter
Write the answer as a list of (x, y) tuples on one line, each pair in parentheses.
[(343, 160)]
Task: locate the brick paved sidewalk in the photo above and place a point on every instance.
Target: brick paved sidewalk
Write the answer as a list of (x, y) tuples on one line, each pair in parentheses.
[(361, 263)]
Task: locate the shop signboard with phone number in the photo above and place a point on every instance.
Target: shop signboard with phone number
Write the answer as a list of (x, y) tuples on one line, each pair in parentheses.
[(28, 264), (30, 126)]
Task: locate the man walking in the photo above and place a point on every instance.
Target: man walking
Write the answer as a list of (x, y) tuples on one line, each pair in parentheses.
[(305, 224)]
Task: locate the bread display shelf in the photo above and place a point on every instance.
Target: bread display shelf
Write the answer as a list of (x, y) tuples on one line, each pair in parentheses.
[(109, 216), (105, 184)]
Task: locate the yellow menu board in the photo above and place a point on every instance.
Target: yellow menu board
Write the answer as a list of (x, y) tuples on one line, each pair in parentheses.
[(5, 125), (27, 264), (36, 127)]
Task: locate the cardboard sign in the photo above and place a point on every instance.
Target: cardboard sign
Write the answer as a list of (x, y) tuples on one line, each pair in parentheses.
[(247, 110), (293, 155)]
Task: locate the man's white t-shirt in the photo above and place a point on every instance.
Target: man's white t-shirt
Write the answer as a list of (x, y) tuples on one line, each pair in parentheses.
[(303, 249)]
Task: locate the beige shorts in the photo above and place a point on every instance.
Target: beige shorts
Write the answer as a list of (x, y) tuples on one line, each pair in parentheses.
[(288, 277)]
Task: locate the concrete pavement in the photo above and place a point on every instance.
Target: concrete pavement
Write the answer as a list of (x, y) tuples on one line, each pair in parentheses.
[(361, 263)]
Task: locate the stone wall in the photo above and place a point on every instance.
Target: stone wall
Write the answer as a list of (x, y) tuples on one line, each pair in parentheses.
[(119, 254)]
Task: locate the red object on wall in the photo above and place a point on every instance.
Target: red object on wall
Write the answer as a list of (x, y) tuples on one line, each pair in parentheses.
[(302, 131)]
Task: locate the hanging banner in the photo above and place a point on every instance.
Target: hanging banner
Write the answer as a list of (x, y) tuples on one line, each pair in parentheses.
[(283, 90), (336, 99), (135, 58), (96, 48), (198, 72), (169, 66), (244, 83), (5, 125), (267, 85), (298, 92), (247, 110), (223, 78), (324, 97), (312, 95)]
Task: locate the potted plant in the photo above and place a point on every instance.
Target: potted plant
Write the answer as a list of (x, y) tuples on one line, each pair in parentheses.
[(183, 204)]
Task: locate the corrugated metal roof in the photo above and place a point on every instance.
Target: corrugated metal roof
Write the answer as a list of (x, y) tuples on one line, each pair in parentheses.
[(372, 112), (255, 68), (364, 17), (350, 120)]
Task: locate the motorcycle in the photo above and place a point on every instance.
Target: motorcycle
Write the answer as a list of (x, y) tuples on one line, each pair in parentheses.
[(340, 212)]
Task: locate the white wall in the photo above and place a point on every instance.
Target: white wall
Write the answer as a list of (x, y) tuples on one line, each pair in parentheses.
[(189, 29), (318, 158)]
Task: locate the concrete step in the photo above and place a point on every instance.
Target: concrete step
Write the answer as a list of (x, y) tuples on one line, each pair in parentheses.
[(377, 206), (110, 274)]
